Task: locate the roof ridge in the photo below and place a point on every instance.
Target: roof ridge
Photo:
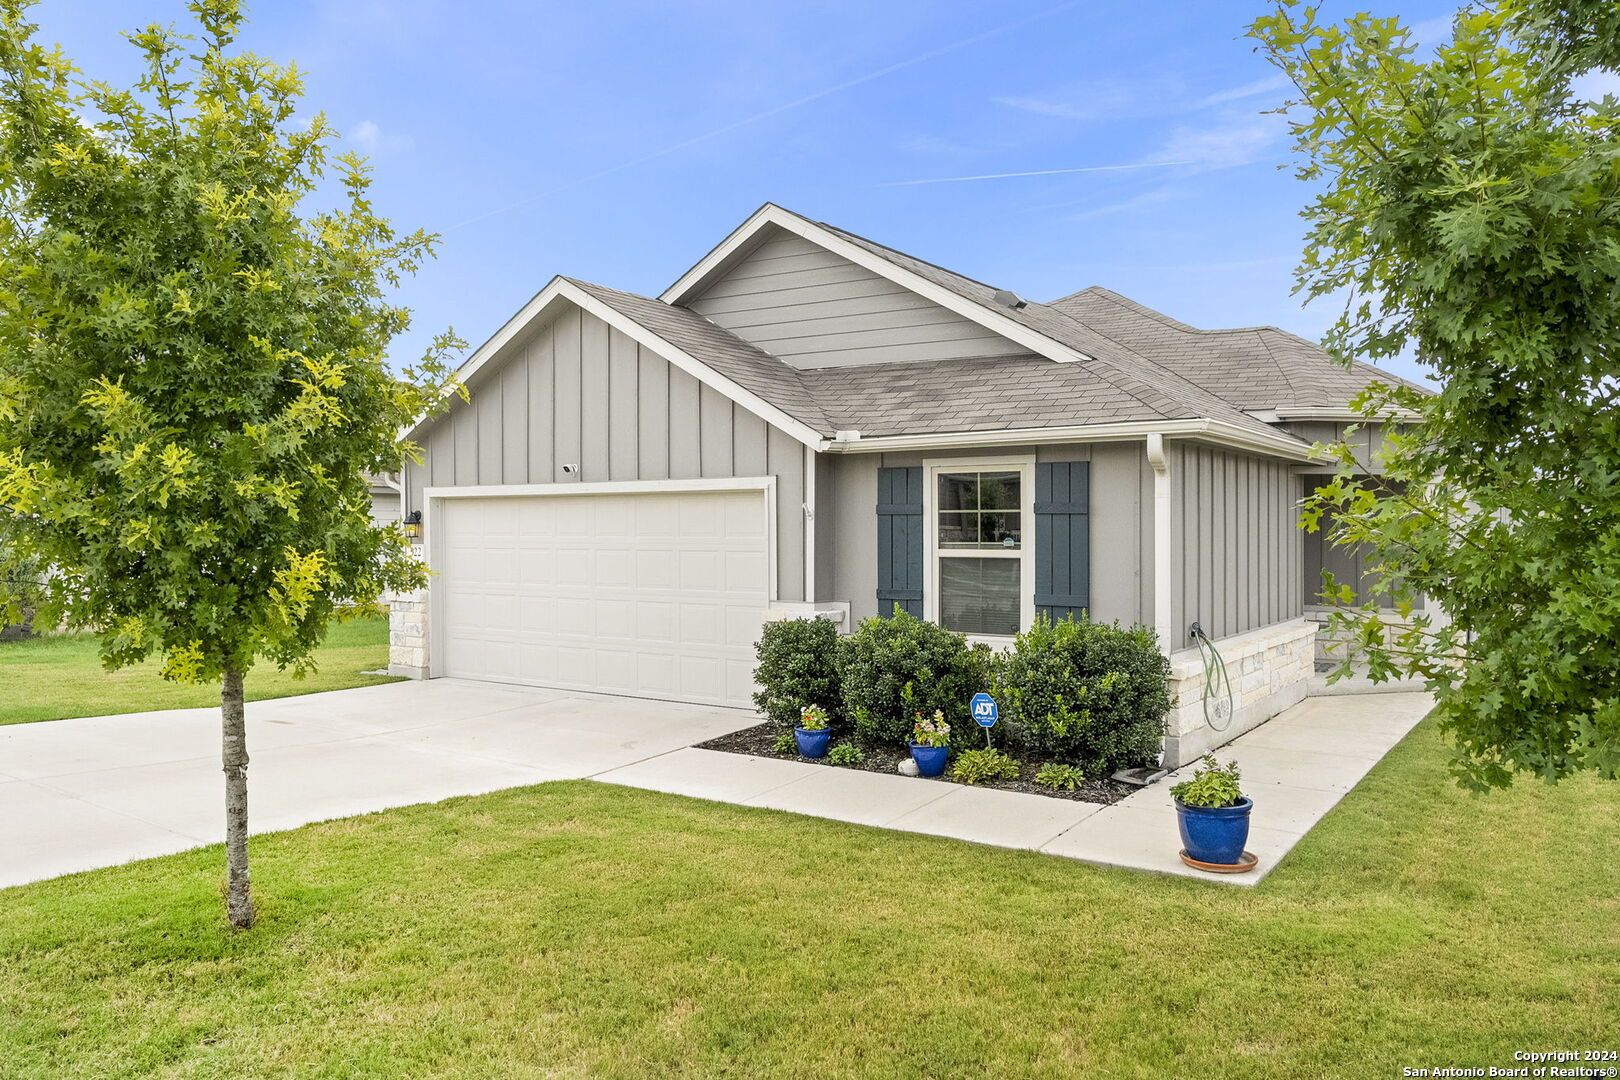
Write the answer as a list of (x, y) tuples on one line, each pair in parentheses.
[(1293, 387), (1168, 373)]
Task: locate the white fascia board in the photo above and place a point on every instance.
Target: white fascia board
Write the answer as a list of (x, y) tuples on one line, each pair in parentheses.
[(561, 290), (770, 214), (1218, 431)]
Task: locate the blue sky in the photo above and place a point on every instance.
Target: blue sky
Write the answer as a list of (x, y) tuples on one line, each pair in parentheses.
[(618, 141)]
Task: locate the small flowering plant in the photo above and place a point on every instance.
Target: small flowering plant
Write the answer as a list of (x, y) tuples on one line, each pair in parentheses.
[(931, 732), (814, 718)]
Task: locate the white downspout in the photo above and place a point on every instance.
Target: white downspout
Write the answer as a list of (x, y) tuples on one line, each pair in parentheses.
[(1163, 572), (809, 525)]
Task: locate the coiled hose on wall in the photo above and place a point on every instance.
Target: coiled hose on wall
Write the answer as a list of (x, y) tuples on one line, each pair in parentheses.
[(1217, 687)]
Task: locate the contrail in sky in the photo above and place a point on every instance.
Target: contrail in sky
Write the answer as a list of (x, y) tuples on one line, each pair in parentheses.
[(776, 111), (1037, 172)]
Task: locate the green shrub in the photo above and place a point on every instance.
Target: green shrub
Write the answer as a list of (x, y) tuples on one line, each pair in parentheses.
[(1060, 777), (977, 766), (1211, 786), (845, 753), (786, 743), (896, 667), (1085, 692), (798, 666)]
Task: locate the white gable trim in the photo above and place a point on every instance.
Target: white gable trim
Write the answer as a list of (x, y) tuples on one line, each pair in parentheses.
[(561, 291), (771, 214)]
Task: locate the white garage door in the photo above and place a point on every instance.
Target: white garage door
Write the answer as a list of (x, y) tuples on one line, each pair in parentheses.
[(654, 595)]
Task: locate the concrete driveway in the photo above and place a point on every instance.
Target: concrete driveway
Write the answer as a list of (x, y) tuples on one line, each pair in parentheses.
[(98, 791)]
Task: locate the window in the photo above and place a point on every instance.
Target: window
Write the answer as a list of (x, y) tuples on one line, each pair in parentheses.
[(978, 534)]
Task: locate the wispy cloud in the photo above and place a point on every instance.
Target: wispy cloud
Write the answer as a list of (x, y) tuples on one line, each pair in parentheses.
[(371, 140), (778, 110), (1227, 142), (1033, 172), (1267, 85), (1126, 206), (1042, 107)]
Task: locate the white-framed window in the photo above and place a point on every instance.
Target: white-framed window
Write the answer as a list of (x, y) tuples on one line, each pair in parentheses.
[(979, 519)]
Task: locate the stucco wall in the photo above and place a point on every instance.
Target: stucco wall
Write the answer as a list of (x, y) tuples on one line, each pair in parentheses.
[(577, 391)]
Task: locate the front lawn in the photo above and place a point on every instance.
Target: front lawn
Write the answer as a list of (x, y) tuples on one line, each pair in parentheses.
[(54, 677), (576, 929)]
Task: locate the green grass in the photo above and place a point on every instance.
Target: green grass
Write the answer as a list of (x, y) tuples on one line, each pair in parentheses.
[(55, 677), (575, 929)]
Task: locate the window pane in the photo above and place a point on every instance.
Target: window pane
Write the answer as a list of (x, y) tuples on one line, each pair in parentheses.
[(959, 491), (979, 596), (998, 491), (999, 530), (958, 530)]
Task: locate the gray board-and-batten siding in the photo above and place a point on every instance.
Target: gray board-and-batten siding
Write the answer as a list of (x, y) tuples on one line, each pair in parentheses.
[(577, 391)]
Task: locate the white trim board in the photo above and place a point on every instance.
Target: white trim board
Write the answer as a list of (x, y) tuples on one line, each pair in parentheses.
[(770, 214), (561, 290), (1216, 431)]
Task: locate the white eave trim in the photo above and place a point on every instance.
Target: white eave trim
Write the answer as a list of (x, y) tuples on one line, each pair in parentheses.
[(771, 214), (561, 290), (1216, 431)]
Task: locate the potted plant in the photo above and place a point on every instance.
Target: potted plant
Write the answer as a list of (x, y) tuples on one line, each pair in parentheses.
[(930, 743), (812, 734), (1213, 814)]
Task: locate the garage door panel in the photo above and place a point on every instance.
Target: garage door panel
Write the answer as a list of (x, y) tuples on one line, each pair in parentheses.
[(658, 595)]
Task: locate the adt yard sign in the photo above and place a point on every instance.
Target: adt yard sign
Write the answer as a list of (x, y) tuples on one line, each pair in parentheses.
[(984, 710)]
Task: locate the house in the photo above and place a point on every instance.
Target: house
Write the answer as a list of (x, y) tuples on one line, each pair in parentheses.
[(384, 498), (808, 422)]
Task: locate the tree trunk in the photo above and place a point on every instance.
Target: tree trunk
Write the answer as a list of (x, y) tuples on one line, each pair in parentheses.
[(238, 894)]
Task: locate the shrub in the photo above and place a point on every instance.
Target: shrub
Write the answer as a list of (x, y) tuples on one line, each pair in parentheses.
[(893, 668), (845, 753), (1211, 786), (977, 766), (798, 666), (786, 743), (1060, 777), (1085, 692)]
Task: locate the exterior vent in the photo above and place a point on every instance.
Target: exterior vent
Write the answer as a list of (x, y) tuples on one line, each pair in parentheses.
[(1008, 298)]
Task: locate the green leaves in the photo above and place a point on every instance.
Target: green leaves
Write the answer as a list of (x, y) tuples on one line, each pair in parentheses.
[(1469, 208), (193, 379)]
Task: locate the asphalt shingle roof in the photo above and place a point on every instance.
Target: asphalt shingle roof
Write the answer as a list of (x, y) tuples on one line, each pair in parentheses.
[(1143, 366)]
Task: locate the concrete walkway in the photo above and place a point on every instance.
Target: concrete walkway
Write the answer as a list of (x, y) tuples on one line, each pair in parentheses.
[(80, 794), (1296, 767)]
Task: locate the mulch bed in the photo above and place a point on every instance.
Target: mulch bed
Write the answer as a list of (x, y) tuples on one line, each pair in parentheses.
[(760, 741)]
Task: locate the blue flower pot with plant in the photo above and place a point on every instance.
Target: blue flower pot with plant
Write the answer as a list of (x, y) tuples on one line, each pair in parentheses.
[(812, 735), (930, 743), (1213, 814)]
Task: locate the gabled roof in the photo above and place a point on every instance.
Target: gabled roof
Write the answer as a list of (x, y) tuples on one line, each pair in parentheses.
[(1097, 362)]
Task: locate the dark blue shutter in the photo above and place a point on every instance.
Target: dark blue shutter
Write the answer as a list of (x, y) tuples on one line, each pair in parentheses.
[(1062, 538), (900, 541)]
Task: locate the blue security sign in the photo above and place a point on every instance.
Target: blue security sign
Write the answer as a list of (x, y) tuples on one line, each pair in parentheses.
[(984, 710)]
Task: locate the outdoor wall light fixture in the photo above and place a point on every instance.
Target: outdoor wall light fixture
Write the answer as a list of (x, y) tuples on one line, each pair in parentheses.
[(413, 524)]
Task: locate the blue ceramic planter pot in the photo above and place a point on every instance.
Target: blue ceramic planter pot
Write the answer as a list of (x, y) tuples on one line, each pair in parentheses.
[(930, 759), (1215, 834), (812, 743)]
